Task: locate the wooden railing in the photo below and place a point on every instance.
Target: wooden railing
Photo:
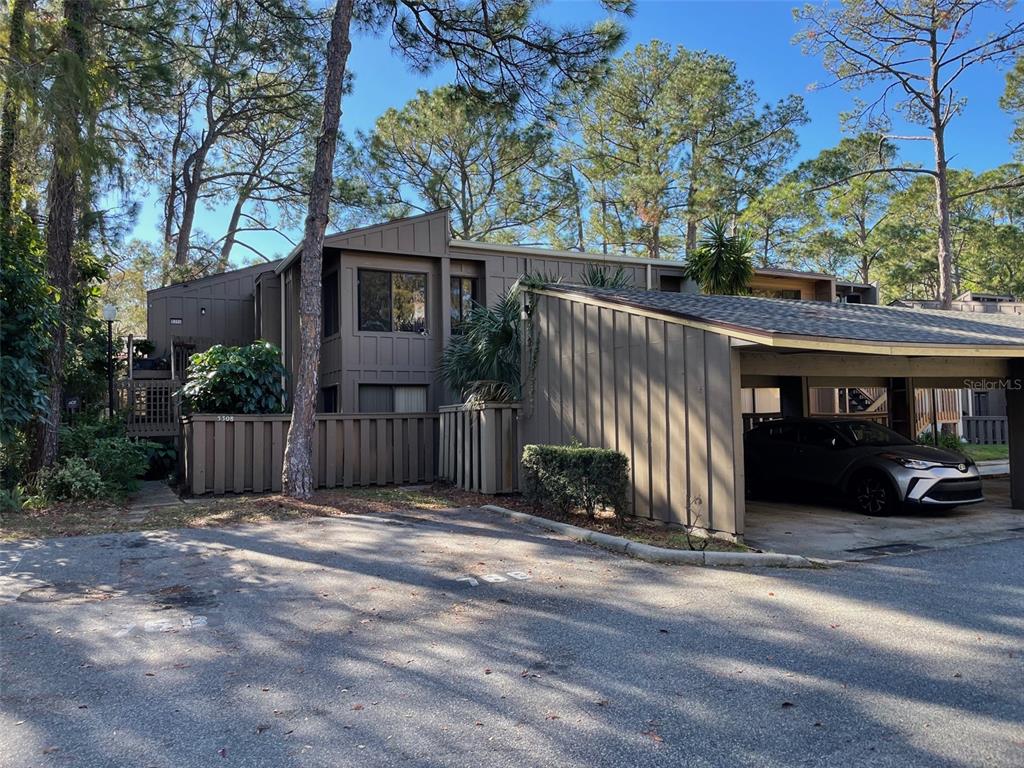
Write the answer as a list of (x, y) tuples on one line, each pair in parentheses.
[(226, 453), (986, 430), (150, 407), (479, 447)]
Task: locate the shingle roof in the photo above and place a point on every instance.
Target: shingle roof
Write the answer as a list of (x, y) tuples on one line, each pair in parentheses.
[(819, 319)]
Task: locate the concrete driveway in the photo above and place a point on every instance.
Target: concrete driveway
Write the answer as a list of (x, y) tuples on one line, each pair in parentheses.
[(455, 639), (834, 532)]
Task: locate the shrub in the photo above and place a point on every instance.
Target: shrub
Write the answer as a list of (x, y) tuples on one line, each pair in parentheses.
[(949, 441), (120, 462), (78, 439), (71, 480), (568, 477), (235, 380)]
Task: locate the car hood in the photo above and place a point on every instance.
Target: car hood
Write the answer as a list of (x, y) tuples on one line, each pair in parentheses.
[(924, 452)]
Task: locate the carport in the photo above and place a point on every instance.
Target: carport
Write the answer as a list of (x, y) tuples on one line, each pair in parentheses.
[(660, 376)]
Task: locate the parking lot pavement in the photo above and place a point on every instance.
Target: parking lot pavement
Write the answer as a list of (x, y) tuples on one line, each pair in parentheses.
[(456, 639), (835, 532)]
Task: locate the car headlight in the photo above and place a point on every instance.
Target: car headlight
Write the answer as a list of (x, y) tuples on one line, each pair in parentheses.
[(911, 463)]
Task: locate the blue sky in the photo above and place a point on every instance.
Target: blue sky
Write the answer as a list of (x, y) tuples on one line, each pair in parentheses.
[(756, 35)]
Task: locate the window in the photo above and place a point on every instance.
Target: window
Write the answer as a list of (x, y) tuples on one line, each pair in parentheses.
[(818, 435), (388, 398), (777, 293), (463, 295), (852, 298), (329, 304), (392, 301), (329, 399), (671, 283)]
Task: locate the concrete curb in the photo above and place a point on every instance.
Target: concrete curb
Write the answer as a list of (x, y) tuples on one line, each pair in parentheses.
[(659, 554)]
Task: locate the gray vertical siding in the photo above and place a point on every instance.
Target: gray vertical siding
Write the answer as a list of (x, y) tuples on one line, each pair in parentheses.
[(664, 394)]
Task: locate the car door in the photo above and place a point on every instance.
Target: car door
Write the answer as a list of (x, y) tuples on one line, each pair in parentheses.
[(773, 453), (819, 454)]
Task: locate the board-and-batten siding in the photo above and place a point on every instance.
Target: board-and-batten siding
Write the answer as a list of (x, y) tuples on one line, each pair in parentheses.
[(664, 394)]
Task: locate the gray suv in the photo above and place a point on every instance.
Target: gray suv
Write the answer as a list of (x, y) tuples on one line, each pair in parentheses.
[(876, 469)]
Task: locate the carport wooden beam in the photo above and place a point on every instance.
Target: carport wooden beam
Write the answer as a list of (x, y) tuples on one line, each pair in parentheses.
[(954, 371), (1015, 423)]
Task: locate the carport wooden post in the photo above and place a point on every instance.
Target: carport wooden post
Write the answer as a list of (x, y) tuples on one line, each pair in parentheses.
[(793, 396), (1015, 431), (902, 406)]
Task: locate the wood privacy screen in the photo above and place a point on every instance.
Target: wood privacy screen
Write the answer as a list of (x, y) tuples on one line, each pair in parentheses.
[(479, 447), (245, 453), (986, 430)]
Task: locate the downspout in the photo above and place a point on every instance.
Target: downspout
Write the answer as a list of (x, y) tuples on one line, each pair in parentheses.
[(650, 278), (284, 337)]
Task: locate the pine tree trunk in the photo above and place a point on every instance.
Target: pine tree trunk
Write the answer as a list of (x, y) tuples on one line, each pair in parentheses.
[(61, 223), (945, 244), (945, 255), (297, 480), (9, 114)]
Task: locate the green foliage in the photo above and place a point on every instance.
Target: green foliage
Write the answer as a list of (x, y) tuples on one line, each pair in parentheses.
[(78, 438), (562, 478), (71, 479), (450, 149), (721, 265), (1013, 102), (12, 500), (671, 136), (27, 308), (482, 362), (600, 277), (235, 380), (120, 462), (101, 444), (949, 441)]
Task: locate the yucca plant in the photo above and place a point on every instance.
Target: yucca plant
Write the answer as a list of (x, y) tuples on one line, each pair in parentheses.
[(722, 261), (601, 277)]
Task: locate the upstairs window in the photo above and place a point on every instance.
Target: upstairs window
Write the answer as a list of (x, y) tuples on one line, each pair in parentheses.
[(329, 304), (463, 295), (392, 301)]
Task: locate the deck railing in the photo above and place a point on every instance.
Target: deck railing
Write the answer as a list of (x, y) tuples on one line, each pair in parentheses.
[(150, 407)]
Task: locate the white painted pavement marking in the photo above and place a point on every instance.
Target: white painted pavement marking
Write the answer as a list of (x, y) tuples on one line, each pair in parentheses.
[(495, 578)]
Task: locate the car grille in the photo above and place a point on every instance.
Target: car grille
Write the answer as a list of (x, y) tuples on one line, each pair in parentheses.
[(955, 490)]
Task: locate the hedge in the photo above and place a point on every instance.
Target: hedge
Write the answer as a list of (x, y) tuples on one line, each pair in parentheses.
[(564, 478)]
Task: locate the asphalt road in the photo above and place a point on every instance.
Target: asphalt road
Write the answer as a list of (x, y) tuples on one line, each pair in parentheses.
[(353, 643)]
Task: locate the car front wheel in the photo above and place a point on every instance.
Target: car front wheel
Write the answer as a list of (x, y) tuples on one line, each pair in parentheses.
[(874, 495)]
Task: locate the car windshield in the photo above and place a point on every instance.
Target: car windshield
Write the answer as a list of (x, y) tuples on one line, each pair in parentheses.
[(870, 433)]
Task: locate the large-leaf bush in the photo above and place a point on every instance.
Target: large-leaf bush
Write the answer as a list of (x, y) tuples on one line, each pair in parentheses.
[(564, 478), (235, 380), (71, 479)]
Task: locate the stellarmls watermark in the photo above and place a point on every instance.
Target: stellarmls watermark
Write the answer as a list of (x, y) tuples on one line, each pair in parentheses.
[(1007, 385)]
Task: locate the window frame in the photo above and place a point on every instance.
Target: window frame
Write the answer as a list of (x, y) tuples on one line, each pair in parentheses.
[(391, 300), (337, 399), (474, 293), (333, 275)]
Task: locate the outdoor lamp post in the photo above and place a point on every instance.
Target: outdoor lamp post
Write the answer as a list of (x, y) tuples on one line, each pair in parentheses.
[(110, 314)]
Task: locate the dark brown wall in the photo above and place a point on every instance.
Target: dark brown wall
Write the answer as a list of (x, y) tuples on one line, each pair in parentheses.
[(228, 302), (662, 393)]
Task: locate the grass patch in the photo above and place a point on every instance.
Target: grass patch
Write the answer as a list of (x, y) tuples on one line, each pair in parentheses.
[(987, 452)]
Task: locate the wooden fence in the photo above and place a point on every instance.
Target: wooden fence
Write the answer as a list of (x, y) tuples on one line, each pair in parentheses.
[(986, 430), (151, 407), (245, 453), (479, 447)]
